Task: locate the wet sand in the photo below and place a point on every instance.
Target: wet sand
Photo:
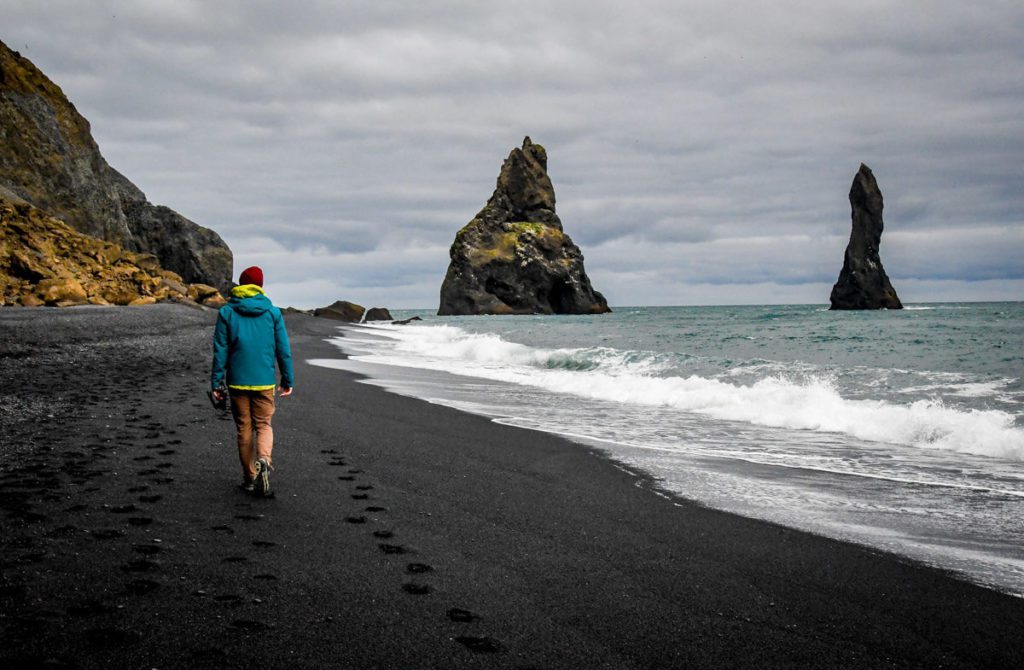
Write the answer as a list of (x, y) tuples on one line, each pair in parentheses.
[(402, 534)]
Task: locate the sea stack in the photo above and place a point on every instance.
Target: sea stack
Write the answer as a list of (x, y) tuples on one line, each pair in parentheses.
[(862, 282), (513, 257), (49, 159)]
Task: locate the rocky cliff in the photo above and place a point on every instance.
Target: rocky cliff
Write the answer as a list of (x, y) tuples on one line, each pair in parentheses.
[(513, 257), (49, 158), (44, 262), (862, 282)]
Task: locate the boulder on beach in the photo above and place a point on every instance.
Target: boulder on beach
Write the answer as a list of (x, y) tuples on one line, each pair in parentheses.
[(406, 322), (862, 282), (514, 257), (44, 262), (341, 310), (49, 159), (378, 314)]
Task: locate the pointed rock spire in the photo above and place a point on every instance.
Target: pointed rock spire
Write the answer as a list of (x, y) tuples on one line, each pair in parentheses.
[(513, 257), (862, 282)]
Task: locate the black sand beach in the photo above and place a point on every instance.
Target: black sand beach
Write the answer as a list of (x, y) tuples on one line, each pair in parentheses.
[(402, 535)]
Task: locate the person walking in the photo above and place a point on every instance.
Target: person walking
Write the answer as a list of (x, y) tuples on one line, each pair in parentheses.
[(249, 337)]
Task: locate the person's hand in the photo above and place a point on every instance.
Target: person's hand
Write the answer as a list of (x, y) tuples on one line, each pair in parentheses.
[(218, 395), (286, 391)]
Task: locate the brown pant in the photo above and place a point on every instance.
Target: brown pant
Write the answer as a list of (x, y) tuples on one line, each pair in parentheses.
[(252, 411)]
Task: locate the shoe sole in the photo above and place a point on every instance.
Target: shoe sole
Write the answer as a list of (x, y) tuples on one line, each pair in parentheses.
[(262, 483)]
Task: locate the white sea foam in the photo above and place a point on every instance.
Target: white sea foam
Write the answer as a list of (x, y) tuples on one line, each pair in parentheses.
[(802, 402), (964, 390)]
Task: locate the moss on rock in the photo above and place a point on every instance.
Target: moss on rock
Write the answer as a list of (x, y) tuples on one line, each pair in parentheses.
[(43, 261), (514, 257)]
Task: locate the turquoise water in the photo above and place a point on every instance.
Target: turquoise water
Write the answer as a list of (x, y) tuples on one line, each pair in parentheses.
[(901, 430)]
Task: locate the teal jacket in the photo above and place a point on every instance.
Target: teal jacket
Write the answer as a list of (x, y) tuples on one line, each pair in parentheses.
[(249, 336)]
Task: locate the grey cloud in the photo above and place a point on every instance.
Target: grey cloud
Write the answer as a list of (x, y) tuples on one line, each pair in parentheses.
[(709, 145)]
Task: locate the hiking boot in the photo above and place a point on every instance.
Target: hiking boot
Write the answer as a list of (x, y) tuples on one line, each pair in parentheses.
[(262, 483), (248, 485)]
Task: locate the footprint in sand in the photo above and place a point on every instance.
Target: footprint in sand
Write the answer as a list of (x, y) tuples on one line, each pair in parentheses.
[(364, 487), (360, 496), (346, 478), (355, 519), (461, 616), (223, 528), (383, 534), (228, 598), (392, 548), (151, 499), (107, 534), (418, 568), (266, 577), (483, 645), (249, 517), (138, 489), (124, 509), (376, 508), (263, 543), (106, 637), (416, 589), (63, 531), (140, 565), (89, 609), (210, 657), (146, 549), (32, 557), (139, 521), (234, 559), (140, 587)]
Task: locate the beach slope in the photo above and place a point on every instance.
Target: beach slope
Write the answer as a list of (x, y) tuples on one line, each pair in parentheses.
[(402, 534)]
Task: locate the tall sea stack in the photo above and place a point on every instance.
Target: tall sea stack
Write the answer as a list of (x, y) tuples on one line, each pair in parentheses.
[(49, 159), (513, 257), (862, 282)]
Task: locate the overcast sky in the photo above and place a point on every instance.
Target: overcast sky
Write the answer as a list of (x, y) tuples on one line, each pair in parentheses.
[(701, 152)]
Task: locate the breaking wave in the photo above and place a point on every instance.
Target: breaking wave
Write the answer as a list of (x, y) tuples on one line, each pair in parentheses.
[(798, 399)]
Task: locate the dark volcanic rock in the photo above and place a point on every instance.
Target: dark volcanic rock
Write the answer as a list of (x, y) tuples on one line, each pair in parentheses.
[(513, 257), (341, 310), (378, 314), (862, 282), (49, 159), (406, 322)]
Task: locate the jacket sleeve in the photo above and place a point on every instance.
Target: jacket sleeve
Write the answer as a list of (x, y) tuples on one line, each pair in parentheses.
[(220, 351), (283, 351)]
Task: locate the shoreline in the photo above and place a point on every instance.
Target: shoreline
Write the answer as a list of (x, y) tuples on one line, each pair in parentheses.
[(995, 570), (403, 534)]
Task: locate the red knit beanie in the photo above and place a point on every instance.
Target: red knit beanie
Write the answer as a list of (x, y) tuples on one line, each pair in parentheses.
[(253, 275)]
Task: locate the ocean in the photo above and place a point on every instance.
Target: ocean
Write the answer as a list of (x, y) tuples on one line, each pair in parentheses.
[(899, 430)]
